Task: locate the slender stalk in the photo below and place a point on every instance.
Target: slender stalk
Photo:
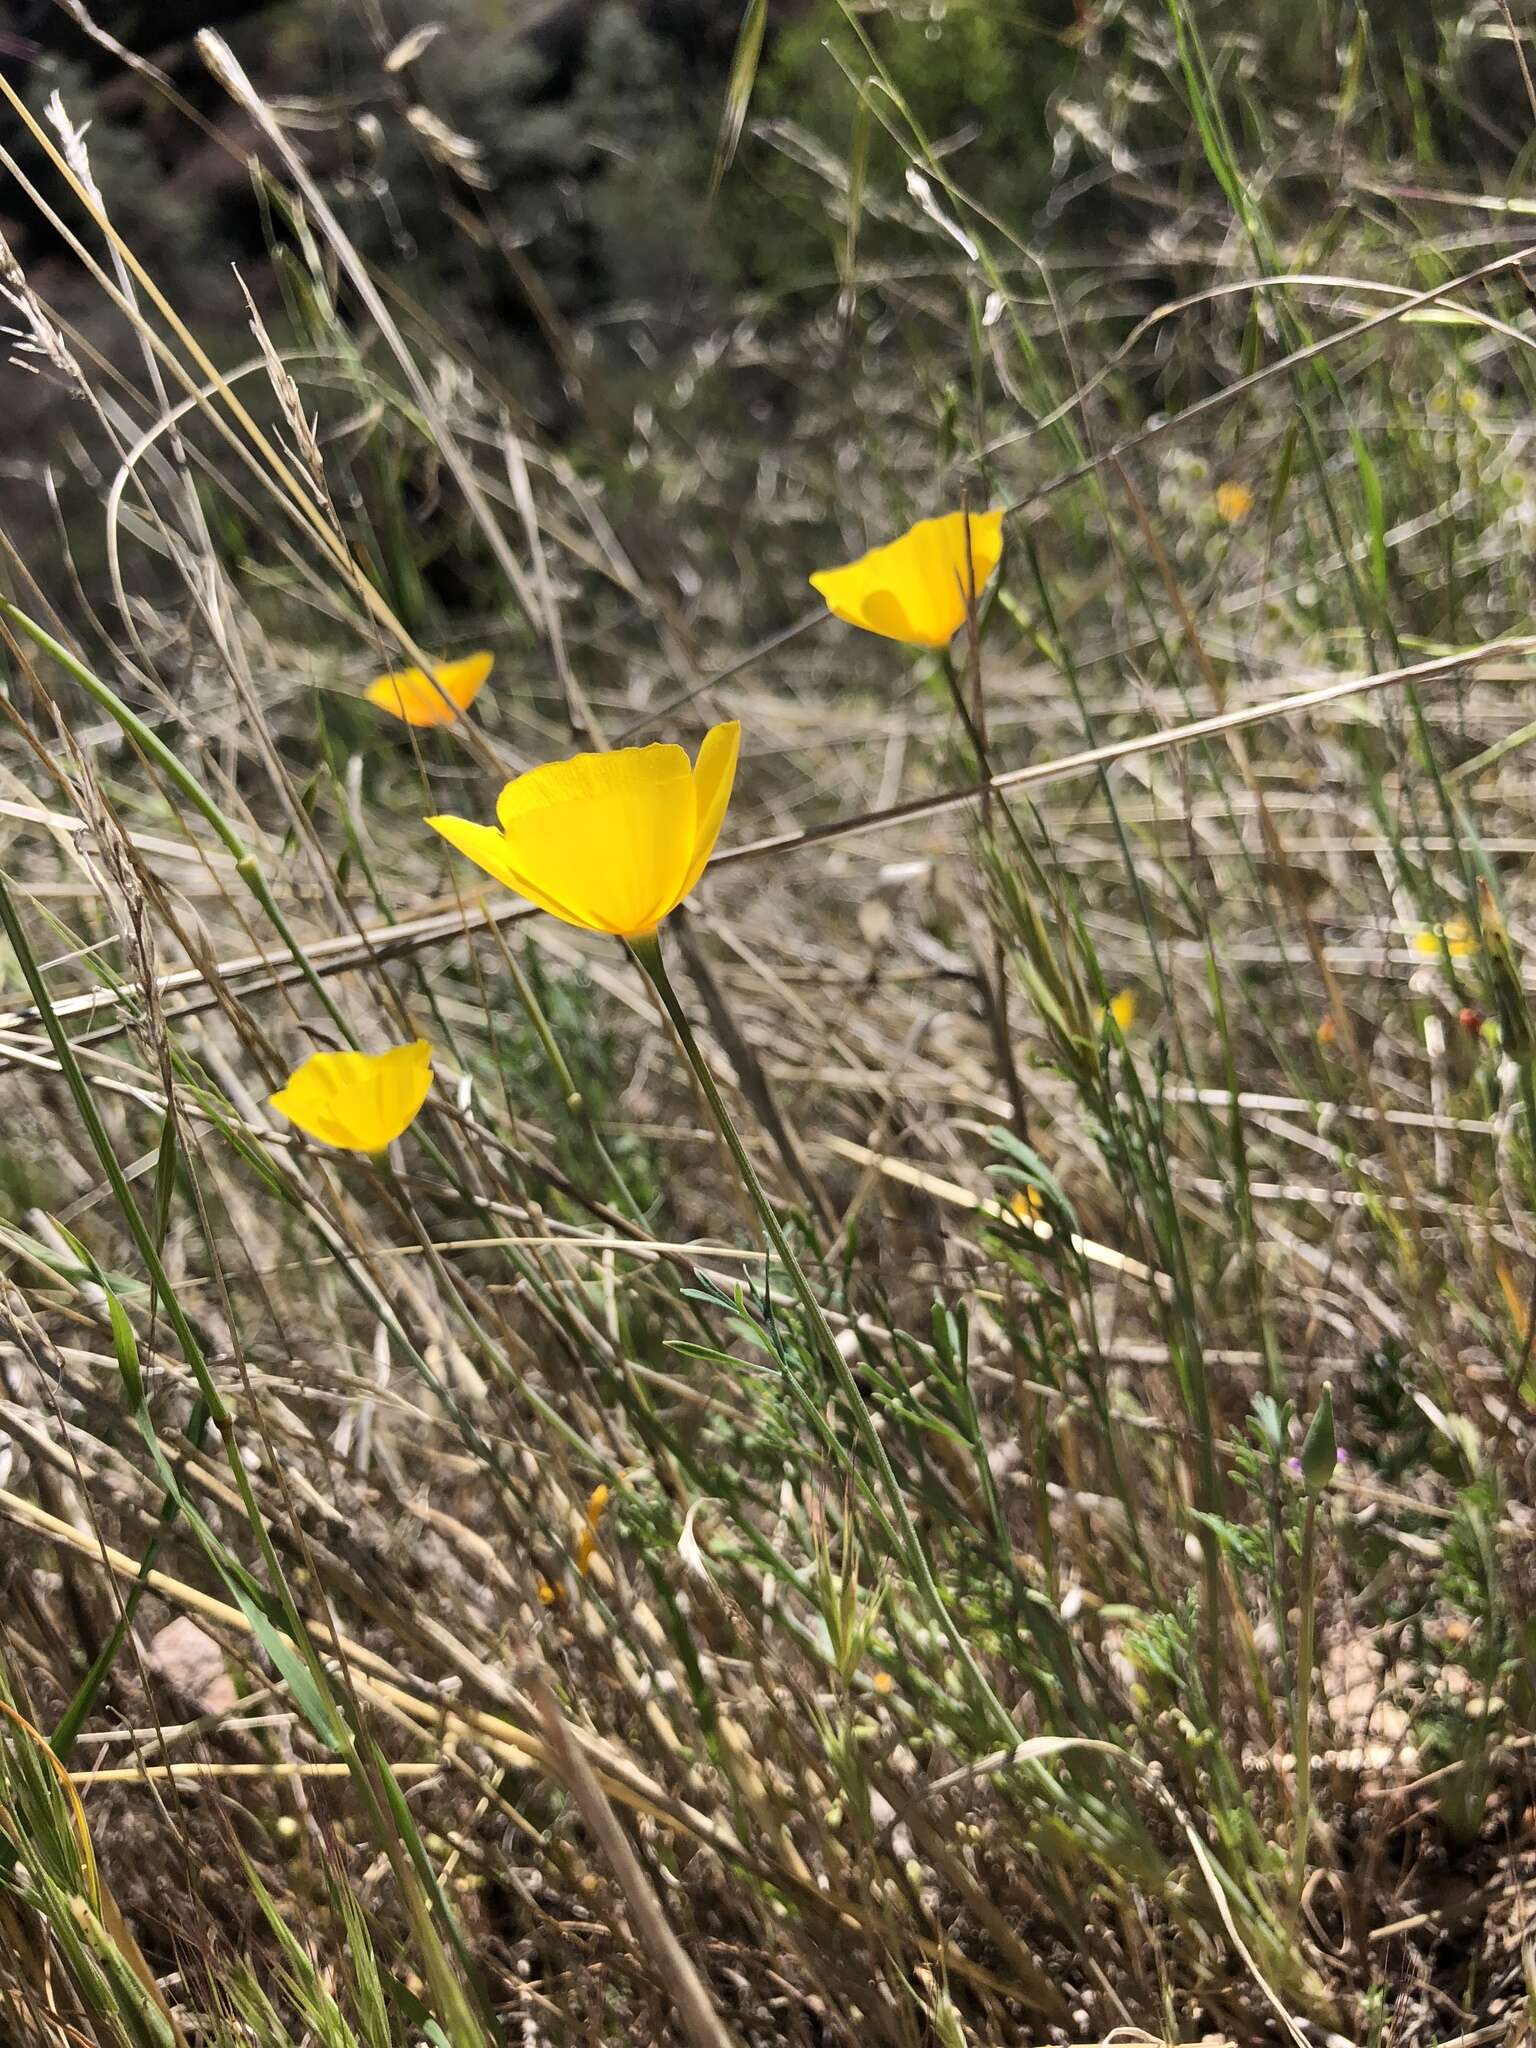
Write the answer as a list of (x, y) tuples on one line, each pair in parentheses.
[(575, 1101), (973, 717), (675, 1967), (1306, 1650)]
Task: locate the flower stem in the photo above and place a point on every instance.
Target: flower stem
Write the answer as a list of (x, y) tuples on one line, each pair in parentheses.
[(575, 1101), (1301, 1734), (647, 953)]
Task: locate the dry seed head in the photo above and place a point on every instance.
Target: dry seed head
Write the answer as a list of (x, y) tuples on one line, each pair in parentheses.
[(411, 46), (72, 143), (39, 337), (305, 439), (453, 151)]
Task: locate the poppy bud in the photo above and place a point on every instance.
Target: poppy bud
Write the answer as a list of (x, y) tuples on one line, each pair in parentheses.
[(1472, 1021), (1319, 1447)]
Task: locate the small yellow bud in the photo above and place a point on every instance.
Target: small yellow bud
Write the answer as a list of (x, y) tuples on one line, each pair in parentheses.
[(586, 1543)]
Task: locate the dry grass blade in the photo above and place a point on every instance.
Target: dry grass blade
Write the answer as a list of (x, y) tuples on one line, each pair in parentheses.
[(656, 1939)]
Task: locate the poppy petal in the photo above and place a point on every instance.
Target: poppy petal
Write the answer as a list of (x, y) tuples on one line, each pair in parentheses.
[(714, 773), (420, 700), (916, 588), (612, 834), (488, 848)]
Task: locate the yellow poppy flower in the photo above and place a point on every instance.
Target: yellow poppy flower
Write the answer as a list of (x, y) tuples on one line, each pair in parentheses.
[(1122, 1008), (1233, 503), (415, 697), (915, 588), (609, 842), (1460, 940), (361, 1101)]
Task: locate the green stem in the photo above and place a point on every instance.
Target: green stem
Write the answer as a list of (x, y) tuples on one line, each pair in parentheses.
[(575, 1101), (647, 953), (1306, 1648)]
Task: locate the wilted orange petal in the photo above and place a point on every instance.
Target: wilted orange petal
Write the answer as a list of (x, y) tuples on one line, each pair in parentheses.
[(413, 695)]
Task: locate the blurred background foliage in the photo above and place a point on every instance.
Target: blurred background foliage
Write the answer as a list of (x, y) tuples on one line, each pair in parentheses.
[(535, 182)]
